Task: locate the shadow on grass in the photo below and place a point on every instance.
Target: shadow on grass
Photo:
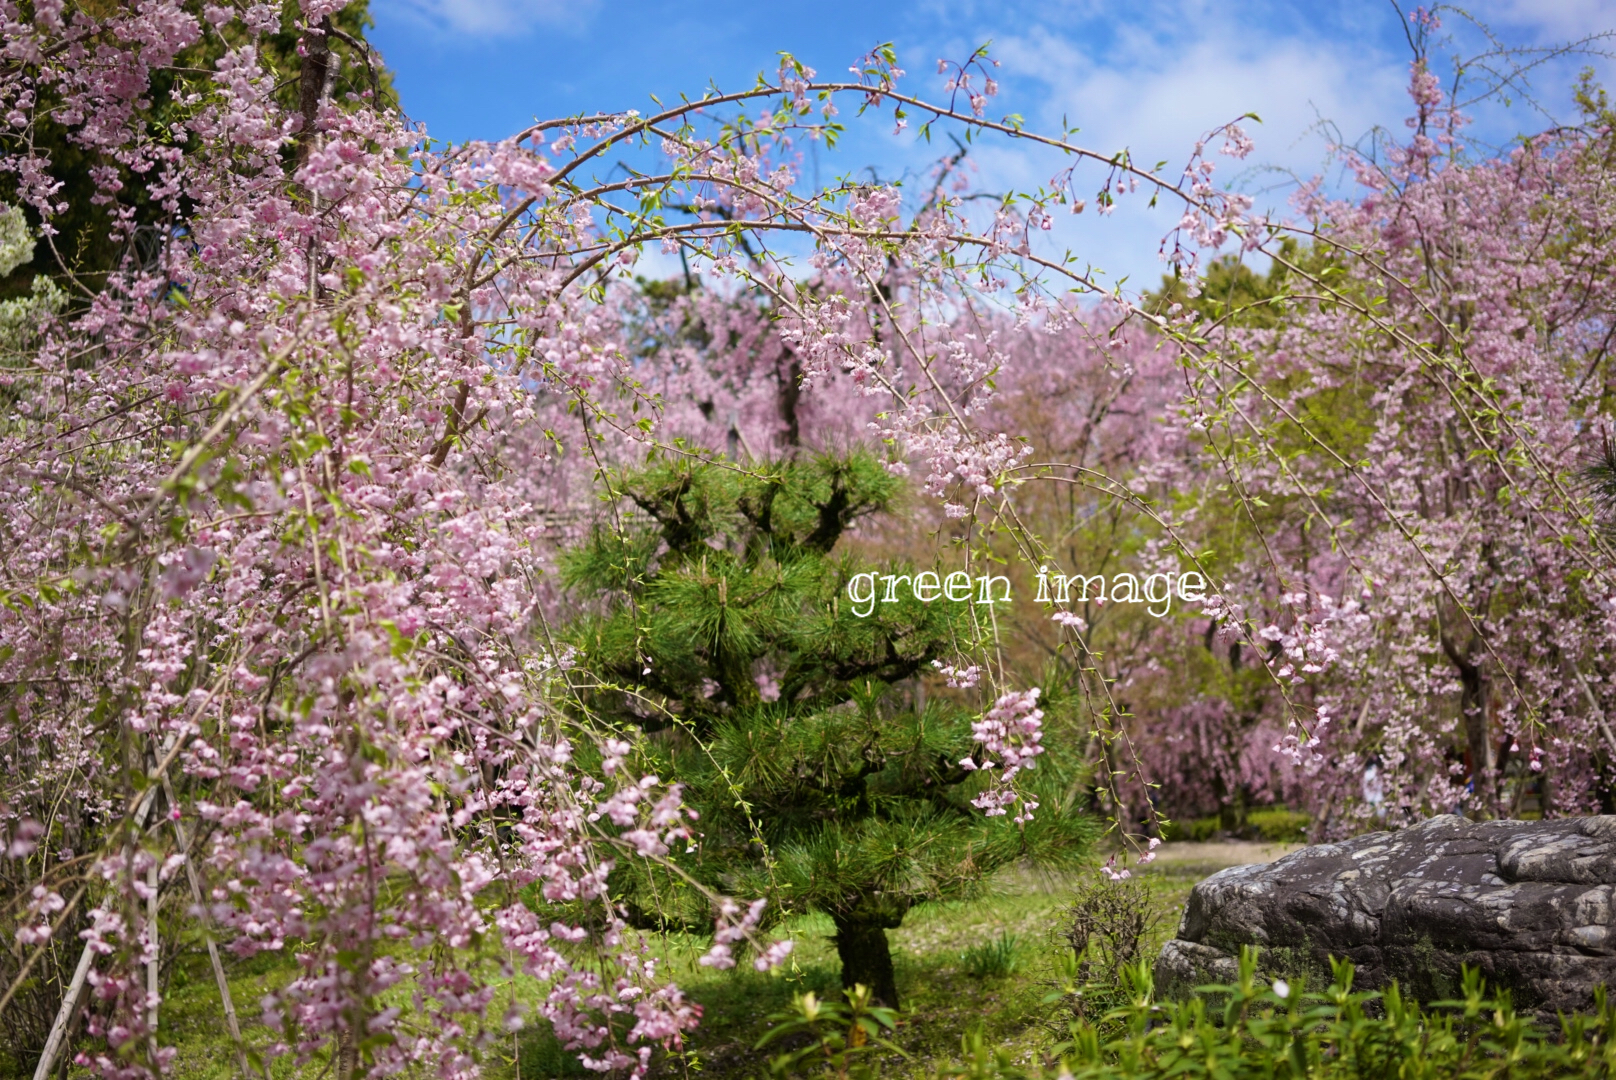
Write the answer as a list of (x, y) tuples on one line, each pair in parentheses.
[(941, 1000)]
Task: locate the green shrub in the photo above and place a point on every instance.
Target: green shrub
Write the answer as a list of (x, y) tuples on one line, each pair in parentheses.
[(993, 959), (1253, 1029), (1274, 824), (1278, 825), (1198, 830)]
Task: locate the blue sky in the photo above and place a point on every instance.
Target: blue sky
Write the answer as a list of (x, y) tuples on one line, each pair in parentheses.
[(1150, 75)]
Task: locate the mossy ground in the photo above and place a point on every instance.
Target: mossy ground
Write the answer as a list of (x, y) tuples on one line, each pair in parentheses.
[(942, 1000)]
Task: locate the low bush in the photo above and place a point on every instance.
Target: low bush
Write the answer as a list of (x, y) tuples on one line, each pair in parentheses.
[(1198, 830), (1103, 933), (1275, 824), (1249, 1029), (1278, 825)]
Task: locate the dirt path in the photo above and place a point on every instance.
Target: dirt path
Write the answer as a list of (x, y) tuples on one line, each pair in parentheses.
[(1180, 864), (1214, 855)]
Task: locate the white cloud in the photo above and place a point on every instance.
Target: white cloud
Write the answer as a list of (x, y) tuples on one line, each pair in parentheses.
[(1153, 75), (1161, 105), (1155, 81), (1554, 20), (485, 18)]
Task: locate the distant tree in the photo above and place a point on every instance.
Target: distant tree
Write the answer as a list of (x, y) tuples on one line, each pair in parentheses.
[(1231, 293), (823, 779)]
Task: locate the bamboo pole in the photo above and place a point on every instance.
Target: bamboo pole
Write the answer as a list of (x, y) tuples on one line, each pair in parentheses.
[(64, 1016), (70, 1001), (58, 1032)]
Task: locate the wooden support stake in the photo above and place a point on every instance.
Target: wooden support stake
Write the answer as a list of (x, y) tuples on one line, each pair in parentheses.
[(153, 962)]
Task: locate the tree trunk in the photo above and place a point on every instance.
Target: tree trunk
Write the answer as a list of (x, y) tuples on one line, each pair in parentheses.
[(1478, 736), (314, 84), (866, 959), (1477, 727), (1473, 713), (790, 395)]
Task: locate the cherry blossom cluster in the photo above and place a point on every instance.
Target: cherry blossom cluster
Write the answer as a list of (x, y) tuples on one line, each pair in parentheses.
[(1012, 731), (735, 926)]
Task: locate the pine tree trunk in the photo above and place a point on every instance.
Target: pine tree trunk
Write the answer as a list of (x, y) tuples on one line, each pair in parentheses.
[(866, 959)]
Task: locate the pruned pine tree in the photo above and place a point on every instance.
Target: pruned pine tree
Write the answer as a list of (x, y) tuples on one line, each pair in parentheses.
[(726, 646)]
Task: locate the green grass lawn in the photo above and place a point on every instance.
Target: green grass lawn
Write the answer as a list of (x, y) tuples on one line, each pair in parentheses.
[(941, 998)]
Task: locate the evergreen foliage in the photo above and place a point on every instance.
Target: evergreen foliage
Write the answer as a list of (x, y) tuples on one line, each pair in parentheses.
[(823, 778), (1231, 293)]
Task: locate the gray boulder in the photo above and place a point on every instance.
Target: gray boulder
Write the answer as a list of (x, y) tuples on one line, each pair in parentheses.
[(1532, 904)]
